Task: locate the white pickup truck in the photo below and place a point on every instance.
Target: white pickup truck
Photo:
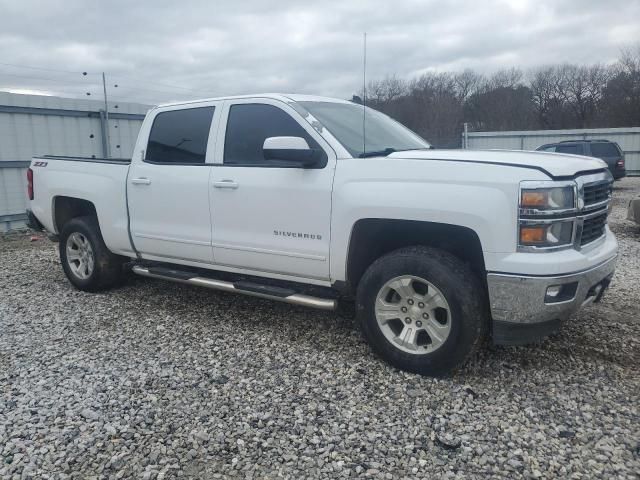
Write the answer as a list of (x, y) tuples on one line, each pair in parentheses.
[(288, 197)]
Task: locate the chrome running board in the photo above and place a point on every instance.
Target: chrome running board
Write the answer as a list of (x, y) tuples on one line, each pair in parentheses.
[(247, 288)]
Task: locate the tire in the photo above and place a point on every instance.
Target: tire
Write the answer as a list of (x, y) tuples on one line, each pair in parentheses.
[(453, 328), (106, 268)]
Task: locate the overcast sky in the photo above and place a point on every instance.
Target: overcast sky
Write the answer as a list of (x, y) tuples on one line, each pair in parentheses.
[(170, 50)]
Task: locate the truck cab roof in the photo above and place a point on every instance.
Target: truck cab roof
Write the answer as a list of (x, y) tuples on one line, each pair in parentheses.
[(285, 97)]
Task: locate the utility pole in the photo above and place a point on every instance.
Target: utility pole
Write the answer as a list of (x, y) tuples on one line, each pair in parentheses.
[(106, 117), (364, 94)]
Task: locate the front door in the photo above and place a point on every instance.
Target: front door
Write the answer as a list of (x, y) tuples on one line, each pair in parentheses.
[(168, 190), (265, 216)]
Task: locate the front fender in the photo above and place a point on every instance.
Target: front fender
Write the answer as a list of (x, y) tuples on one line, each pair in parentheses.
[(453, 196)]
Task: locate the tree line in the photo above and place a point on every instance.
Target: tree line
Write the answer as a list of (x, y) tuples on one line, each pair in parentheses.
[(437, 104)]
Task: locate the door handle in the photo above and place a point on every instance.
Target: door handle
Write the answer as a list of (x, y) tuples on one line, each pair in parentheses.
[(141, 181), (225, 184)]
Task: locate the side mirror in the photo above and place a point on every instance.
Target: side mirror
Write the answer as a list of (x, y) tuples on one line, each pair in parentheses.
[(290, 149)]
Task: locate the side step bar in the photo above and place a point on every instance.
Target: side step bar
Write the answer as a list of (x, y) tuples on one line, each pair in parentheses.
[(247, 288)]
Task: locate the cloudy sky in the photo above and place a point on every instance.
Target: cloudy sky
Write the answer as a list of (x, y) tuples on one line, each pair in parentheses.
[(158, 51)]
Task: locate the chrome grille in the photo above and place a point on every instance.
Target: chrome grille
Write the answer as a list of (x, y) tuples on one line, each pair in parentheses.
[(593, 228), (595, 193)]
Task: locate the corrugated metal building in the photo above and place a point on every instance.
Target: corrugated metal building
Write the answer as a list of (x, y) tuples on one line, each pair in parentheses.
[(627, 138), (41, 125)]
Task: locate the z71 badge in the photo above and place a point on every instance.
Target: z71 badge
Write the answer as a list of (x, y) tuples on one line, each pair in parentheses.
[(39, 164)]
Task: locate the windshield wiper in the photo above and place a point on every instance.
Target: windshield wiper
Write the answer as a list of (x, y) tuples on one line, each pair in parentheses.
[(377, 153)]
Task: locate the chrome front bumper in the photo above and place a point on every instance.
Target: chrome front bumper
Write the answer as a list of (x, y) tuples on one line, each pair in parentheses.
[(523, 309)]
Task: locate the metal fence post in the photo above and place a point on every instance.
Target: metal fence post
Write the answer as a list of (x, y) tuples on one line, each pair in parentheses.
[(104, 134), (106, 119), (465, 136)]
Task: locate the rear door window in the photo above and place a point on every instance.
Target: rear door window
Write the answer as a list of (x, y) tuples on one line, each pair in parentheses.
[(180, 136), (572, 149), (604, 150)]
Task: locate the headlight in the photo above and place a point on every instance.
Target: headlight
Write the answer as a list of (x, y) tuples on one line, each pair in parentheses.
[(546, 235), (549, 199)]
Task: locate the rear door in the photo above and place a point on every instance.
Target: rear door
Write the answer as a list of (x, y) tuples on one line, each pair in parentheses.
[(265, 216), (168, 190), (572, 148)]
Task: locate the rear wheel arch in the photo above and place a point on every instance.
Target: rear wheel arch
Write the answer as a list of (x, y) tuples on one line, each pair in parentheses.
[(67, 208), (372, 238)]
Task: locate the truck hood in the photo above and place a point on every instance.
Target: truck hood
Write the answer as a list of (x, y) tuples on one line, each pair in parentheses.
[(553, 164)]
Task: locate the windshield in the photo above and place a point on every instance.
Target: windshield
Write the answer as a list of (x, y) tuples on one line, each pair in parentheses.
[(344, 122)]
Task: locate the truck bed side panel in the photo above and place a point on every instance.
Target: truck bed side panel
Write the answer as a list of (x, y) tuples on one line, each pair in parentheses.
[(99, 182)]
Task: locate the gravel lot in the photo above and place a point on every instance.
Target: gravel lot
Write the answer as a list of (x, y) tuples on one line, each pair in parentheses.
[(158, 380)]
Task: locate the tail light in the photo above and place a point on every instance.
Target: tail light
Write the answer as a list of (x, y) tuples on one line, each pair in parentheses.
[(30, 183), (620, 163)]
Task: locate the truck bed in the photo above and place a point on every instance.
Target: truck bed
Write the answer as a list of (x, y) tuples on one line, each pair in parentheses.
[(99, 181), (118, 161)]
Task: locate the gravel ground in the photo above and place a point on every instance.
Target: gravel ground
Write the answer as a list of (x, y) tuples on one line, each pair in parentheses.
[(158, 380)]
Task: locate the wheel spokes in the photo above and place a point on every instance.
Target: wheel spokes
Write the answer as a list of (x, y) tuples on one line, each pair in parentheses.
[(386, 311), (435, 300), (402, 286), (82, 240), (80, 256), (436, 331), (90, 263), (73, 254), (408, 337), (413, 314)]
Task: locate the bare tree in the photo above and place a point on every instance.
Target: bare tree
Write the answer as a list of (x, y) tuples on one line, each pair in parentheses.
[(467, 83), (436, 109), (507, 78), (581, 88), (545, 84), (386, 90), (620, 104), (435, 105)]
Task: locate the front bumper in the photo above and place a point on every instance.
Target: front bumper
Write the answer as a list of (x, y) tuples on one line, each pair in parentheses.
[(522, 310)]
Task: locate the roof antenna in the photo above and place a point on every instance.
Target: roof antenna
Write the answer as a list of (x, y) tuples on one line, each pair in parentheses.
[(364, 95)]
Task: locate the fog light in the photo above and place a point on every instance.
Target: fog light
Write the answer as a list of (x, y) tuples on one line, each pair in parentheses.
[(554, 290), (561, 293)]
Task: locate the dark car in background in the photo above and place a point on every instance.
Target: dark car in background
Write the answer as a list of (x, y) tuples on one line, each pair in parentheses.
[(608, 151)]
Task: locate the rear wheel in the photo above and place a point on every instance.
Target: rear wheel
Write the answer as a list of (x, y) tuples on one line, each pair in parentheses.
[(422, 310), (85, 259)]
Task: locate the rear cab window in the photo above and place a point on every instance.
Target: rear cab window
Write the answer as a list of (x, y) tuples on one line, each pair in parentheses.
[(180, 136)]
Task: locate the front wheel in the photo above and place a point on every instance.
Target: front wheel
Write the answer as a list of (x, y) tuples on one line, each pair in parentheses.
[(422, 310), (86, 260)]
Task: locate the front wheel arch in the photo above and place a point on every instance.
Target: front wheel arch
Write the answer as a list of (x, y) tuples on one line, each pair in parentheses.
[(372, 238)]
